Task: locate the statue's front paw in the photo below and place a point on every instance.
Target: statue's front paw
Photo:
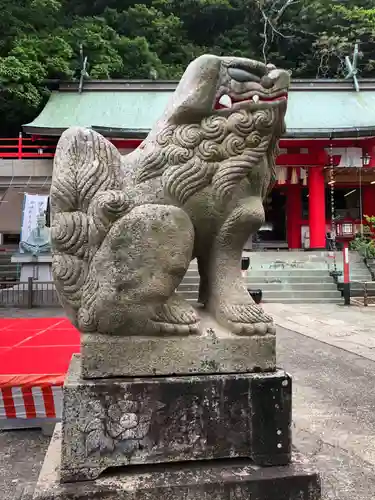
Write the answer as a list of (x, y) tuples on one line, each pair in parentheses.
[(175, 317), (246, 319)]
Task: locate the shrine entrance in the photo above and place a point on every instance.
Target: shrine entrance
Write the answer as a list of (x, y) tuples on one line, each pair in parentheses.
[(272, 235)]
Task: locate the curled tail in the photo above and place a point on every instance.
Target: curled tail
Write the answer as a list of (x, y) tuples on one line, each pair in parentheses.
[(85, 201)]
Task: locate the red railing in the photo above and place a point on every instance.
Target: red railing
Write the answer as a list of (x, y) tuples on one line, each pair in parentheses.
[(44, 147), (23, 148)]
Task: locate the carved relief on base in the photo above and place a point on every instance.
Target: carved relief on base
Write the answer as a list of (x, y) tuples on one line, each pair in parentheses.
[(119, 422)]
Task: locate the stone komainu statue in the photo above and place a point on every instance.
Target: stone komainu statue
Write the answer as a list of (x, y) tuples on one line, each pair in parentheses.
[(124, 229)]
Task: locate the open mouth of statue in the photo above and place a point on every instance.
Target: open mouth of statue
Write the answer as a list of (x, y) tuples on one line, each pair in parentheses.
[(227, 102)]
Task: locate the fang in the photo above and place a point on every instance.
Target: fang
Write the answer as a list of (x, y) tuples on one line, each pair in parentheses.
[(226, 101)]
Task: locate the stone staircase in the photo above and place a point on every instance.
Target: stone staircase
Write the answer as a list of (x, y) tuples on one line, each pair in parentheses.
[(8, 270), (293, 277), (358, 273), (284, 277), (189, 286), (297, 286)]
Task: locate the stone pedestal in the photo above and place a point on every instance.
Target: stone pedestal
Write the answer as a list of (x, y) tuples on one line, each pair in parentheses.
[(117, 422), (212, 480), (213, 350), (221, 436)]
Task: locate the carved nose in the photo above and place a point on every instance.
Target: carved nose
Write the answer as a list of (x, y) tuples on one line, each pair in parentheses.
[(277, 77), (267, 82)]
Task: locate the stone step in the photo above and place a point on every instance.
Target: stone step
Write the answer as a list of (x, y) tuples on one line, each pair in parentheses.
[(271, 278), (280, 296), (292, 272), (288, 279), (359, 270), (366, 279), (192, 295), (302, 294), (363, 269), (192, 287), (359, 293), (190, 281), (359, 286), (360, 274), (358, 279), (294, 286), (289, 300), (303, 269), (251, 280), (298, 300), (187, 287)]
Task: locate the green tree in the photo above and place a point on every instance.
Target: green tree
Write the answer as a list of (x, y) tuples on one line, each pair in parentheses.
[(40, 40)]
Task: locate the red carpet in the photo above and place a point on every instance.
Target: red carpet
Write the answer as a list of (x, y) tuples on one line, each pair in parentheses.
[(34, 357)]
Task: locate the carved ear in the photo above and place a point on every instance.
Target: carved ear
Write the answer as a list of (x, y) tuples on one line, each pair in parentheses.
[(202, 75), (85, 163)]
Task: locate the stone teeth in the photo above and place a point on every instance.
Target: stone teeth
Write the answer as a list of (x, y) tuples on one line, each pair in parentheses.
[(226, 101), (255, 98)]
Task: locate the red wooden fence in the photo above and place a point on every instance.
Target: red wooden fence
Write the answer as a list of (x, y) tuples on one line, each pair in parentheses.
[(44, 147), (22, 147)]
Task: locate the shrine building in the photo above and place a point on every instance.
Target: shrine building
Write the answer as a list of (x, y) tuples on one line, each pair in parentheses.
[(326, 166)]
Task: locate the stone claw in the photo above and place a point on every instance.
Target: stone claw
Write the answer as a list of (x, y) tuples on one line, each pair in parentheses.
[(175, 317), (247, 320)]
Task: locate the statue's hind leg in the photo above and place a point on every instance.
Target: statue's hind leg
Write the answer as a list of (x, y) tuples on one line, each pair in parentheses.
[(229, 299), (140, 264)]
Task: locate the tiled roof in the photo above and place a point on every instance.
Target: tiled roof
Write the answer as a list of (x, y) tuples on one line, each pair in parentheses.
[(320, 108)]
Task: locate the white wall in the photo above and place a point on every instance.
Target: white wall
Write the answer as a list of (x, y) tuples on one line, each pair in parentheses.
[(25, 168)]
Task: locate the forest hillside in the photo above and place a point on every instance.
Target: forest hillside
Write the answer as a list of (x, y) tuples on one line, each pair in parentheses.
[(43, 40)]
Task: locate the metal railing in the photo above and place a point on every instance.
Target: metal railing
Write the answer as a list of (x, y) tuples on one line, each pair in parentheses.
[(28, 294), (367, 296)]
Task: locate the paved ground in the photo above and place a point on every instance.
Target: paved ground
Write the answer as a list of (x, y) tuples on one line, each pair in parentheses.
[(50, 312), (333, 413), (21, 457), (330, 357), (349, 328)]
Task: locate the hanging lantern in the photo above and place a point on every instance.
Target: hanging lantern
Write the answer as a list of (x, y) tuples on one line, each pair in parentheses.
[(281, 175), (294, 177)]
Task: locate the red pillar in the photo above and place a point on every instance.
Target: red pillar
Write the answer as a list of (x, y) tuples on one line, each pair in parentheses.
[(368, 200), (317, 209), (293, 215), (19, 152)]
